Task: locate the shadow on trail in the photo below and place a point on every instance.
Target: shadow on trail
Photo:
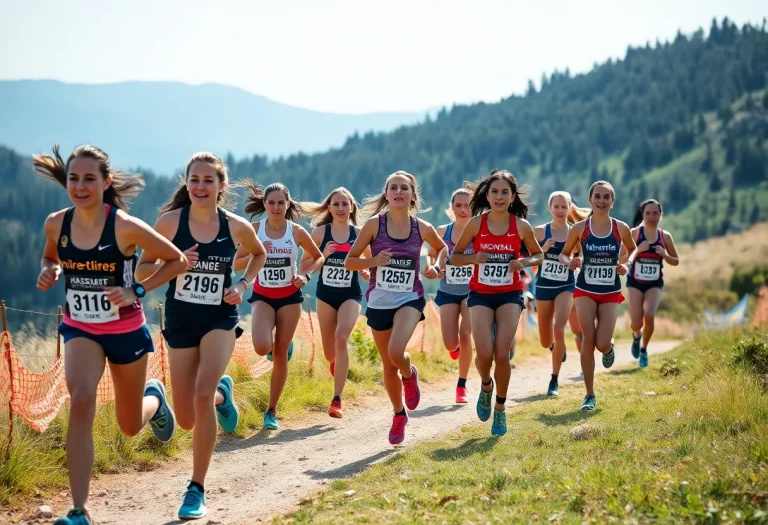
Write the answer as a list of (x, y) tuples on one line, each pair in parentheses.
[(468, 448), (552, 420), (273, 437), (350, 469), (434, 410)]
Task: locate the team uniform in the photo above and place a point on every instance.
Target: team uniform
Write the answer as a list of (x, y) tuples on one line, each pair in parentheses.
[(647, 269), (274, 284), (598, 278), (453, 288), (398, 284), (336, 284), (193, 300), (121, 332), (553, 277), (492, 284)]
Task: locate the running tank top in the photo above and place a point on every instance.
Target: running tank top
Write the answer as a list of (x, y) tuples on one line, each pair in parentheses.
[(334, 278), (493, 276), (552, 273), (87, 271), (398, 282), (601, 255), (456, 279), (196, 295), (647, 267), (275, 280)]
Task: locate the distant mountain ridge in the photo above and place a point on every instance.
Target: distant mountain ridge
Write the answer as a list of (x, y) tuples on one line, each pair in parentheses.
[(158, 125)]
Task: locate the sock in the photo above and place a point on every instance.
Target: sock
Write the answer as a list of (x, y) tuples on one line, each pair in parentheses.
[(643, 350), (197, 485), (337, 398), (554, 376), (500, 400), (462, 382), (490, 382), (638, 336), (401, 413)]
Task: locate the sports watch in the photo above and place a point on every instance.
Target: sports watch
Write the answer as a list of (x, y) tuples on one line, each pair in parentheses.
[(139, 290)]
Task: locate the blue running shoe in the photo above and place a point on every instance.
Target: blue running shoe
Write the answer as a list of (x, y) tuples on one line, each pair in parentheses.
[(643, 358), (499, 426), (609, 358), (193, 504), (484, 404), (74, 517), (552, 390), (636, 345), (227, 412), (589, 403), (290, 352), (163, 423), (270, 420)]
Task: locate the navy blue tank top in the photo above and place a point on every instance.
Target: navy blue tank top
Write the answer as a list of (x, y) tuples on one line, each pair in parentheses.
[(598, 273), (334, 278), (647, 266), (195, 296), (552, 273)]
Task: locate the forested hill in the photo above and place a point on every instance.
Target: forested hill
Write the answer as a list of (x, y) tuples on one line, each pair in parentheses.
[(683, 121)]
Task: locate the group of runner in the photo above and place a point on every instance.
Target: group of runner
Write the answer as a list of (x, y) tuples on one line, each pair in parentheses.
[(198, 244)]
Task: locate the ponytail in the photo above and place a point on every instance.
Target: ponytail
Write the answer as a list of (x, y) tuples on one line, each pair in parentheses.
[(320, 212), (637, 220), (375, 204), (124, 187), (180, 197), (254, 202)]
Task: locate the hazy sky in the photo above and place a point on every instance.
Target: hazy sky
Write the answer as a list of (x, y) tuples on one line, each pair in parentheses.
[(340, 56)]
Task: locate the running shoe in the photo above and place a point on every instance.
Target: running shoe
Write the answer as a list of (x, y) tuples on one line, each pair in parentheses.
[(74, 517), (643, 358), (552, 389), (589, 403), (483, 407), (227, 412), (499, 426), (290, 353), (609, 358), (335, 410), (397, 431), (411, 387), (163, 423), (636, 345), (461, 395), (270, 420), (193, 504), (455, 353)]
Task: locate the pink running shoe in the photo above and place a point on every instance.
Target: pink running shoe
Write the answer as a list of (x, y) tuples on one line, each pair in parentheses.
[(461, 395), (397, 432), (412, 392)]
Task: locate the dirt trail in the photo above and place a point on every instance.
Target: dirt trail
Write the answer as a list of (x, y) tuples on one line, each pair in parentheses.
[(251, 480)]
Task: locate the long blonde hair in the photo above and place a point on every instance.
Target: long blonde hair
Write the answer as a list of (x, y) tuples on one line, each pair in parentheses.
[(320, 212), (374, 204), (575, 214), (449, 209)]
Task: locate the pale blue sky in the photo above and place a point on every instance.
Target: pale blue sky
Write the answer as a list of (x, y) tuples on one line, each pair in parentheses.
[(340, 56)]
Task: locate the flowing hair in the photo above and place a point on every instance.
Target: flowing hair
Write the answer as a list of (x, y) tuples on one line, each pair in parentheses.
[(638, 218), (320, 212), (449, 209), (374, 204), (575, 214), (180, 197), (254, 202), (479, 203), (124, 187)]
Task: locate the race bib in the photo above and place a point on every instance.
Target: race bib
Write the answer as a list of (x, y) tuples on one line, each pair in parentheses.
[(87, 301), (458, 274), (647, 270), (600, 275), (398, 275), (200, 288), (276, 272), (495, 271), (335, 275), (553, 269)]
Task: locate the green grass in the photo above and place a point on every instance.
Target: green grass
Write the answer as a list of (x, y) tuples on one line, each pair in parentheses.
[(688, 447)]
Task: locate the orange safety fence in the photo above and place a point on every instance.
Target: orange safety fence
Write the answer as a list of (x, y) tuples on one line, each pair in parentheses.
[(37, 397)]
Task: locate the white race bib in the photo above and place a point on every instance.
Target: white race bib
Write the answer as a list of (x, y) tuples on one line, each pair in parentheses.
[(335, 275), (399, 275), (458, 274), (87, 302), (554, 270), (200, 288), (647, 271), (495, 272), (277, 272), (600, 275)]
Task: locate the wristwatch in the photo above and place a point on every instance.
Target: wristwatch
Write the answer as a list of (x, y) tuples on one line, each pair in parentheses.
[(139, 290), (308, 276)]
